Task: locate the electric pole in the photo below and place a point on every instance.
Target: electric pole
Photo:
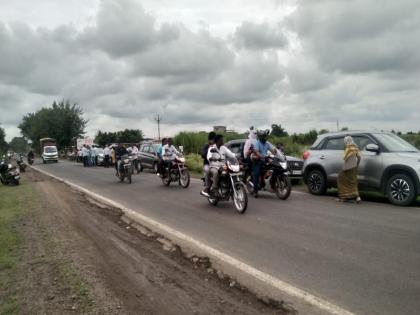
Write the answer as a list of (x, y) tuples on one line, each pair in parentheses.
[(158, 119)]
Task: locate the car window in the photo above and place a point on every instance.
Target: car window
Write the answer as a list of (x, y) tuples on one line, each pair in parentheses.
[(335, 144), (362, 141), (145, 149), (235, 147)]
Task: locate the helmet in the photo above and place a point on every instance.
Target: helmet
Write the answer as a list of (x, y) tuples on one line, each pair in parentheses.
[(263, 135)]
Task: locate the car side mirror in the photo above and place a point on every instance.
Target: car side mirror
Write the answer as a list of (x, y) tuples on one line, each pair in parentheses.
[(371, 147)]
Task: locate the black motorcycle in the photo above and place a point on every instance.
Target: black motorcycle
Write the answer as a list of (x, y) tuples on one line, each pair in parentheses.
[(9, 174), (21, 164), (176, 171), (275, 176), (30, 160), (125, 169), (230, 187)]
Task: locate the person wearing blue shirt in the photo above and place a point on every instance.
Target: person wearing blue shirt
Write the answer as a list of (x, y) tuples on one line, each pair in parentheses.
[(261, 149), (159, 151)]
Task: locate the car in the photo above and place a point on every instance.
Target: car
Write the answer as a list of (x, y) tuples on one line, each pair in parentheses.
[(148, 157), (295, 165), (389, 165), (100, 157)]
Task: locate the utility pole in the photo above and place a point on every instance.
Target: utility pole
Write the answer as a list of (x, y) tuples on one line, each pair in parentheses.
[(158, 119), (338, 125)]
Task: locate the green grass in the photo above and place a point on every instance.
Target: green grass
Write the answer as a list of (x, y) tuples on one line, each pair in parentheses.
[(194, 163), (12, 209)]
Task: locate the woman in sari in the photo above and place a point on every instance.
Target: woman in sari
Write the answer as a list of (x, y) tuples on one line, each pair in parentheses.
[(347, 178)]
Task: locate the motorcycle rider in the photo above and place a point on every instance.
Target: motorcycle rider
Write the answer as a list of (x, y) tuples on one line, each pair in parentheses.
[(216, 156), (206, 164), (262, 147), (30, 155), (169, 153), (159, 155), (120, 151)]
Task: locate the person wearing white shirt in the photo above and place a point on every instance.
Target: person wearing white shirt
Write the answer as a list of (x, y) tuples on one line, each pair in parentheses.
[(85, 155), (217, 156), (169, 153), (107, 153), (135, 155)]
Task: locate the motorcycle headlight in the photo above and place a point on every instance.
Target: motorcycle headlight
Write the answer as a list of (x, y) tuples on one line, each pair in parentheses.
[(126, 161), (9, 166)]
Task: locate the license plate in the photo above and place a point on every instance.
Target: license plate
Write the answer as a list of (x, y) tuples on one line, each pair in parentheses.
[(297, 172)]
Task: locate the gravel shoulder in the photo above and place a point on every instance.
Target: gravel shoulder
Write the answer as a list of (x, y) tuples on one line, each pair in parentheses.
[(79, 257)]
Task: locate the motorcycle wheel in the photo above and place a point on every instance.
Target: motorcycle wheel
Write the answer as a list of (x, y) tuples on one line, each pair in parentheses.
[(240, 201), (282, 187), (249, 184), (121, 177), (3, 181), (184, 178)]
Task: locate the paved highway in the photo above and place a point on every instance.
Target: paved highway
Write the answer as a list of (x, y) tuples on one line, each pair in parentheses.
[(364, 258)]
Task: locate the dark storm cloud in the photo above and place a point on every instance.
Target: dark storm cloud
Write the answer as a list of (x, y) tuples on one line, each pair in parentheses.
[(260, 36)]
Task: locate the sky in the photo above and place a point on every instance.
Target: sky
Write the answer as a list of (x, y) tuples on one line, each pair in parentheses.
[(300, 63)]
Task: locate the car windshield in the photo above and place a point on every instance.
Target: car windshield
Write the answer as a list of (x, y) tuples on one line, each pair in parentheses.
[(393, 143), (50, 150)]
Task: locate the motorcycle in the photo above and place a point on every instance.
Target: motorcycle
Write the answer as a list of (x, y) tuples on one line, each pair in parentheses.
[(21, 163), (30, 160), (275, 176), (230, 187), (177, 172), (9, 174), (125, 169)]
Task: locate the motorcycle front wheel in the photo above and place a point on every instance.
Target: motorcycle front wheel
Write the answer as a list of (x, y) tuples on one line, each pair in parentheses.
[(240, 200), (282, 186), (184, 178), (166, 180)]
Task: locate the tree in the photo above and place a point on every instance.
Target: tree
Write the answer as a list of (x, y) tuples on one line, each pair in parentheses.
[(278, 131), (122, 136), (323, 131), (63, 122), (3, 143), (18, 144)]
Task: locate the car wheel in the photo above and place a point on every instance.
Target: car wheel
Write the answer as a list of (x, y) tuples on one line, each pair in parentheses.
[(317, 182), (401, 190)]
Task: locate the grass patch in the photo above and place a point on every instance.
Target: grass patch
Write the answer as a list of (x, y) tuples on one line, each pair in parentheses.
[(12, 209), (194, 163)]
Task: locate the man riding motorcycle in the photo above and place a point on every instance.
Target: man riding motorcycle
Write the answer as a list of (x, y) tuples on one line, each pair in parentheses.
[(169, 153), (216, 156), (206, 164), (260, 150), (119, 152)]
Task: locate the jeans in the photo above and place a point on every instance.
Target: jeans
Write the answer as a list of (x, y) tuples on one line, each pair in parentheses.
[(206, 169), (256, 174), (214, 173), (106, 161), (85, 161)]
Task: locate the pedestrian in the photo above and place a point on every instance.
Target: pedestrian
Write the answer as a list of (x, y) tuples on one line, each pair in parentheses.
[(107, 153), (113, 154), (135, 154), (347, 178), (85, 156), (280, 147)]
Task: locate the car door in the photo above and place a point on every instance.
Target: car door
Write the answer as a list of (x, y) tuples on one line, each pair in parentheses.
[(370, 167), (144, 155), (331, 157)]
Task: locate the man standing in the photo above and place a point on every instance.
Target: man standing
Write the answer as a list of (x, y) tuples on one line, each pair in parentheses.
[(107, 153), (85, 156)]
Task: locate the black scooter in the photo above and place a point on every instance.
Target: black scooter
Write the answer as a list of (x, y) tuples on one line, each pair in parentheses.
[(9, 174)]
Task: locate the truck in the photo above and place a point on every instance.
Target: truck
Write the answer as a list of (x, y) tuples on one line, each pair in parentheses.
[(49, 152)]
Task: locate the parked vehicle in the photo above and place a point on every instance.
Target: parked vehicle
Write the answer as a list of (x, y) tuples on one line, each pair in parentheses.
[(389, 165), (275, 176), (294, 164), (177, 172), (125, 169), (147, 157), (9, 174), (48, 150), (230, 187), (100, 157)]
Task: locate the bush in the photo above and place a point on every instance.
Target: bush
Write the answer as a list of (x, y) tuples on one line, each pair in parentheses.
[(194, 162)]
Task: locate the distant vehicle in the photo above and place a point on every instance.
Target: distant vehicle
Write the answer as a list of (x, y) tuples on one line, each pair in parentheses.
[(294, 165), (389, 165), (49, 150), (100, 157), (148, 157)]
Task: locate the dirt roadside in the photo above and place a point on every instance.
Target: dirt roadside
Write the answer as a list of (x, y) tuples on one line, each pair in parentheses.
[(117, 269)]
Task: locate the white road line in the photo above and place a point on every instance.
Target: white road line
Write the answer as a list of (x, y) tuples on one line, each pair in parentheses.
[(229, 260)]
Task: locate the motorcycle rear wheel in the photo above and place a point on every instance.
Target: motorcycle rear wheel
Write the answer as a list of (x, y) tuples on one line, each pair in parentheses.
[(240, 201), (282, 187)]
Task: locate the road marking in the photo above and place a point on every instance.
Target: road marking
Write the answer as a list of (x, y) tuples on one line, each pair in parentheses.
[(231, 261)]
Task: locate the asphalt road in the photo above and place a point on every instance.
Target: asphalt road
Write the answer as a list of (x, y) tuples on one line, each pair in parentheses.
[(364, 258)]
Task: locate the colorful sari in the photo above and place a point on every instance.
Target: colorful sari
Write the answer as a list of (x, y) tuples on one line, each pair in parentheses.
[(347, 178)]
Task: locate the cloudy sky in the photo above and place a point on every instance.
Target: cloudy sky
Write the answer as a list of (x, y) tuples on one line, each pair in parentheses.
[(302, 63)]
